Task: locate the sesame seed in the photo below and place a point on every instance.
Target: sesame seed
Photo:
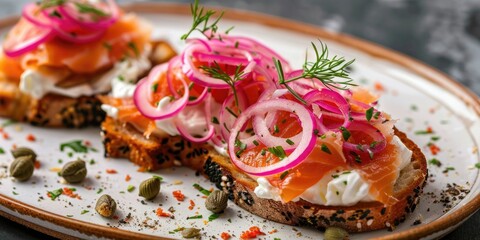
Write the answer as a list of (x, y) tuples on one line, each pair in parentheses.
[(369, 222), (359, 225)]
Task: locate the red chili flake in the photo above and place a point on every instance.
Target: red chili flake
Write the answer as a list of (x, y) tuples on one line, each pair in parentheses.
[(6, 136), (31, 138), (192, 205), (70, 193), (115, 217), (379, 87), (225, 236), (434, 149), (111, 171), (273, 231), (253, 232), (37, 164), (178, 195), (127, 178), (161, 213)]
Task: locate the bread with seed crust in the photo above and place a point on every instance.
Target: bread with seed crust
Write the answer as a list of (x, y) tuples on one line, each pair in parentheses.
[(59, 111), (123, 141)]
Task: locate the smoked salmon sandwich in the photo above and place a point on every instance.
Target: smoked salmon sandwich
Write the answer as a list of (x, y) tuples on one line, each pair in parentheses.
[(61, 54), (302, 147)]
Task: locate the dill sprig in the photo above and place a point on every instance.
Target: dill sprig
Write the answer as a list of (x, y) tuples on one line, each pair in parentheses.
[(324, 69), (200, 21), (217, 72)]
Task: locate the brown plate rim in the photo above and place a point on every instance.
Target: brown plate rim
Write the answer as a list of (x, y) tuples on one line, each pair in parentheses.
[(433, 75)]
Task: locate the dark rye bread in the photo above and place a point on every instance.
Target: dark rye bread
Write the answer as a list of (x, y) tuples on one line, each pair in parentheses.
[(123, 141), (60, 111)]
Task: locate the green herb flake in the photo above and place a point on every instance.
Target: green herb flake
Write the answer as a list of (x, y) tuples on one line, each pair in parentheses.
[(107, 45), (84, 211), (60, 161), (290, 142), (435, 162), (213, 217), (155, 87), (87, 8), (325, 148), (215, 120), (2, 151), (477, 165), (423, 132), (277, 239), (334, 176), (14, 193), (345, 133), (195, 217), (55, 193), (376, 115), (51, 3), (130, 188), (76, 145), (278, 151), (134, 48), (69, 215), (276, 129), (99, 191), (201, 189), (369, 114), (92, 161), (435, 138), (345, 183), (255, 142), (414, 107), (283, 175), (201, 21), (447, 169)]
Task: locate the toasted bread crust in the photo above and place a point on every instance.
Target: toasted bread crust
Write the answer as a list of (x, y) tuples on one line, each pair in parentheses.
[(49, 111), (121, 140)]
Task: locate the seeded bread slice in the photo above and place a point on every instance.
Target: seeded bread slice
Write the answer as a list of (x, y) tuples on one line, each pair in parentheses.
[(60, 111), (123, 141)]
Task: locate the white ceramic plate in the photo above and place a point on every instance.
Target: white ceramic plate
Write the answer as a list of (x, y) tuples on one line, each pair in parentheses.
[(413, 93)]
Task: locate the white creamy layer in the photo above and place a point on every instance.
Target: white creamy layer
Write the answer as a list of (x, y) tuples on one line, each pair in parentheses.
[(344, 189), (39, 84)]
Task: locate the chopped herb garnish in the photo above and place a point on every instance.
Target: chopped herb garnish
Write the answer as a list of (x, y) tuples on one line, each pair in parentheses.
[(423, 132), (346, 172), (276, 129), (231, 112), (345, 183), (99, 191), (213, 217), (435, 162), (134, 48), (158, 177), (315, 131), (283, 175), (369, 113), (215, 120), (84, 211), (356, 157), (201, 189), (477, 165), (370, 153), (2, 151), (55, 13), (60, 161), (130, 188), (337, 192), (55, 193), (255, 142), (14, 193), (154, 87), (325, 148), (324, 69), (345, 133), (76, 145), (335, 176), (414, 107), (51, 3), (447, 169), (240, 145), (121, 78), (290, 142), (375, 116), (435, 138), (200, 21), (195, 217), (263, 152), (69, 215), (236, 44), (92, 161), (87, 8), (373, 144), (278, 151)]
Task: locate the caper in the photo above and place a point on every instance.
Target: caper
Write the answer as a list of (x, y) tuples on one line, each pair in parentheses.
[(74, 172), (190, 232), (106, 206), (22, 168), (335, 233), (216, 201), (24, 151), (149, 188)]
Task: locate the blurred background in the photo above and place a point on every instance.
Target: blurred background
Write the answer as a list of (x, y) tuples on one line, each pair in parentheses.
[(442, 33)]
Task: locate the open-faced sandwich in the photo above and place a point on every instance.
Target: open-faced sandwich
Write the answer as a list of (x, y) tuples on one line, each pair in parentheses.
[(299, 147), (61, 54)]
